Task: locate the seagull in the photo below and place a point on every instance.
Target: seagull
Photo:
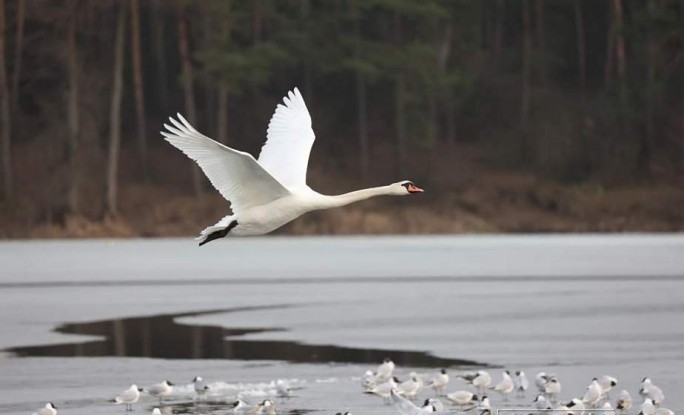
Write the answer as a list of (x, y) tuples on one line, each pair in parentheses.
[(484, 406), (607, 409), (266, 407), (439, 382), (267, 193), (409, 388), (201, 388), (48, 409), (540, 380), (383, 390), (552, 389), (506, 385), (240, 407), (368, 380), (656, 395), (406, 407), (647, 407), (435, 403), (607, 383), (480, 379), (282, 388), (160, 390), (593, 394), (624, 402), (128, 397), (540, 402), (521, 382), (462, 398), (384, 371), (576, 405), (664, 411)]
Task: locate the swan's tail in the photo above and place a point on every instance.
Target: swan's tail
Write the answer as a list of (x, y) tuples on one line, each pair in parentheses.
[(219, 230)]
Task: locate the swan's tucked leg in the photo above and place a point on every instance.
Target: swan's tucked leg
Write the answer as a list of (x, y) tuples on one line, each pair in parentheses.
[(216, 232)]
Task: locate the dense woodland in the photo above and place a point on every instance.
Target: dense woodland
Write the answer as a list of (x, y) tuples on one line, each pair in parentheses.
[(569, 114)]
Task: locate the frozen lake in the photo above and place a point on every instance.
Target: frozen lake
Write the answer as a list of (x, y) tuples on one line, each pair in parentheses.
[(82, 320)]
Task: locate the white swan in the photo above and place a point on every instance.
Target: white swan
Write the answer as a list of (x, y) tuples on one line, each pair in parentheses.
[(271, 192)]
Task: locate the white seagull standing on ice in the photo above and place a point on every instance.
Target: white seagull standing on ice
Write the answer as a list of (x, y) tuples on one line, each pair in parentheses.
[(593, 394), (439, 382), (505, 386), (160, 390), (480, 379), (624, 402), (128, 397), (48, 409), (462, 398), (268, 193), (521, 382), (607, 383), (384, 372)]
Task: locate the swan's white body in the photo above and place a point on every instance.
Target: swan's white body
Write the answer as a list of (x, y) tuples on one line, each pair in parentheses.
[(270, 192)]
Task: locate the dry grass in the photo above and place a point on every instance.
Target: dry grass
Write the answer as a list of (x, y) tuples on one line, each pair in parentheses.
[(464, 196)]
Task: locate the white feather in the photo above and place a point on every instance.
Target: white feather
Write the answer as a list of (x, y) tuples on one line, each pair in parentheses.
[(289, 140), (235, 174)]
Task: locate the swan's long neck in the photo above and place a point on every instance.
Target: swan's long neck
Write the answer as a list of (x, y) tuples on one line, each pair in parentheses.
[(344, 199)]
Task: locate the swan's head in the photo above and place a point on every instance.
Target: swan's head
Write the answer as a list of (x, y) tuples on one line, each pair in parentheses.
[(405, 187)]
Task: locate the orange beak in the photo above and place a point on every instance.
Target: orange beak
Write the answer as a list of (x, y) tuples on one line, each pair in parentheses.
[(414, 189)]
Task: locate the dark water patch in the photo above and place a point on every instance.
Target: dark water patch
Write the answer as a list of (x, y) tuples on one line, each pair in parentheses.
[(161, 336)]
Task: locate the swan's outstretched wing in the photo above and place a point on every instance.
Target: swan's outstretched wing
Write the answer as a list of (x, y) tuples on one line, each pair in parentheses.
[(289, 139), (235, 174)]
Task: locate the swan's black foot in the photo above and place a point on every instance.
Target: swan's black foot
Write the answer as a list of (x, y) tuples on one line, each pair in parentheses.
[(220, 233)]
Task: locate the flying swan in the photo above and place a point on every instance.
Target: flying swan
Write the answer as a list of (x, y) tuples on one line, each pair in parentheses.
[(268, 193)]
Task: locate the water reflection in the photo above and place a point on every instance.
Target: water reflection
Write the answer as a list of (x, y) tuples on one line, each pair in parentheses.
[(161, 336)]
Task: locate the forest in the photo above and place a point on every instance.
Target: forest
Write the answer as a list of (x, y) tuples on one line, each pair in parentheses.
[(514, 115)]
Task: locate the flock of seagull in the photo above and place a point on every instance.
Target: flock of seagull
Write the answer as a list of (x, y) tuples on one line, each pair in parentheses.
[(596, 399), (403, 395)]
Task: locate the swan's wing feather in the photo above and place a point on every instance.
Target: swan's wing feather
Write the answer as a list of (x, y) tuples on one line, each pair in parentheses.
[(289, 139), (235, 174)]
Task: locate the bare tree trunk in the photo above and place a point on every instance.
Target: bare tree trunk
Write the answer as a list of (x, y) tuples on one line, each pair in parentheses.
[(539, 27), (222, 114), (498, 33), (5, 129), (620, 49), (208, 83), (610, 49), (73, 116), (189, 91), (361, 98), (258, 23), (400, 100), (138, 85), (681, 160), (115, 114), (362, 119), (305, 9), (647, 140), (581, 47), (442, 63), (223, 92), (157, 24), (527, 47), (16, 76)]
